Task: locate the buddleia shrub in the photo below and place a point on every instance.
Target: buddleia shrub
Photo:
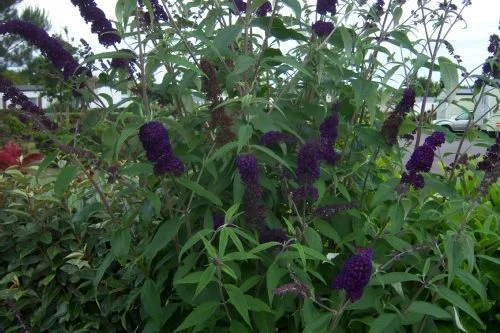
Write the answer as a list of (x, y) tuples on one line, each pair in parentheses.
[(266, 170)]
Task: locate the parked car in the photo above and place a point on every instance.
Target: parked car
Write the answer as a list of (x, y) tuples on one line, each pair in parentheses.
[(456, 123)]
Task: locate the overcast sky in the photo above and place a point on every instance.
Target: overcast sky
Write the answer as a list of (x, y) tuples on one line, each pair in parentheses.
[(470, 43)]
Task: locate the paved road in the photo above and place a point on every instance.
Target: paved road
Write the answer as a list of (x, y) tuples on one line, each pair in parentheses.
[(447, 152)]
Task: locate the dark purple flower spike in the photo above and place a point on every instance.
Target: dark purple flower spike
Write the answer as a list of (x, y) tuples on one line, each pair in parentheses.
[(355, 274)]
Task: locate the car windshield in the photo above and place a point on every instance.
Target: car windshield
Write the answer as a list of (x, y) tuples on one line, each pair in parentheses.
[(463, 116)]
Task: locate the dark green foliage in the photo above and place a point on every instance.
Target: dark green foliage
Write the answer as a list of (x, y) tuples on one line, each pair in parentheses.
[(92, 240)]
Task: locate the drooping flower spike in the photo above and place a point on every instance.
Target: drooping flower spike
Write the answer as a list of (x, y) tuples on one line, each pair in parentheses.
[(421, 160), (155, 140), (255, 211), (159, 11), (100, 24), (48, 46), (32, 111), (355, 274), (326, 6)]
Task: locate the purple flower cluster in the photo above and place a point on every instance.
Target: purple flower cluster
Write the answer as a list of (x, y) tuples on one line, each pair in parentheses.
[(379, 8), (318, 149), (292, 288), (329, 128), (159, 11), (308, 161), (272, 138), (355, 274), (491, 165), (123, 63), (218, 221), (49, 46), (100, 24), (304, 194), (274, 235), (263, 10), (494, 46), (322, 28), (445, 4), (156, 143), (16, 97), (327, 211), (491, 66), (255, 211), (326, 6), (390, 127), (248, 168), (240, 5), (492, 158), (421, 160)]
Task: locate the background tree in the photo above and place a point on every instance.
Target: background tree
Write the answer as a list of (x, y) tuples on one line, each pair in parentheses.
[(13, 50), (434, 89)]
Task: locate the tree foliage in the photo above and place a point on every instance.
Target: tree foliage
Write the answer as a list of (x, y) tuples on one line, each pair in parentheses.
[(13, 50), (245, 184)]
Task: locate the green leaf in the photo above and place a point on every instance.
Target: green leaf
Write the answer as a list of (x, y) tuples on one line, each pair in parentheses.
[(386, 323), (124, 135), (446, 190), (454, 254), (237, 327), (67, 174), (458, 301), (238, 300), (326, 229), (210, 248), (471, 281), (110, 257), (244, 134), (45, 163), (222, 151), (165, 233), (256, 305), (313, 239), (273, 277), (397, 215), (449, 73), (428, 309), (181, 61), (193, 240), (242, 63), (295, 6), (150, 299), (346, 39), (136, 169), (393, 277), (365, 92), (223, 239), (290, 61), (371, 137), (273, 155), (201, 191), (401, 39), (199, 315), (109, 55), (226, 36), (235, 240), (278, 29), (493, 260), (120, 242), (205, 279), (190, 278)]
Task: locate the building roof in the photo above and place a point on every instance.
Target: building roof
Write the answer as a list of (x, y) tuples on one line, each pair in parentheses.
[(28, 87)]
